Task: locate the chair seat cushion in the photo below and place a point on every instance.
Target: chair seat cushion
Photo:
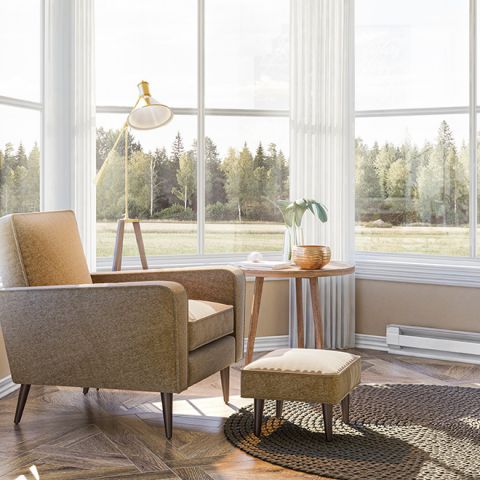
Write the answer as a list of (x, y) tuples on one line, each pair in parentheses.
[(208, 321), (308, 375)]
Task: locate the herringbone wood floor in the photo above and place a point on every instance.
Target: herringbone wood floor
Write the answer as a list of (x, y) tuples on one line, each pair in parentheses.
[(118, 434)]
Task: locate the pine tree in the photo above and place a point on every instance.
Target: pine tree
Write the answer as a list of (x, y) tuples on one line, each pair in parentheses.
[(283, 176), (161, 188), (177, 150), (31, 187), (386, 156), (276, 174), (214, 175), (260, 158), (17, 179), (261, 175), (173, 166), (454, 189)]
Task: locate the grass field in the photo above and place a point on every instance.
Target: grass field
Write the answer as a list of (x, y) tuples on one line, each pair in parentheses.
[(427, 240), (170, 238)]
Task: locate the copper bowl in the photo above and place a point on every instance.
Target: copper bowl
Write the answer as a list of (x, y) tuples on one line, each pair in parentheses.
[(311, 257)]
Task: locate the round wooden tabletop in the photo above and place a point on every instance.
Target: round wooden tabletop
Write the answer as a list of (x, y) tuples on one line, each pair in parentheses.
[(332, 269)]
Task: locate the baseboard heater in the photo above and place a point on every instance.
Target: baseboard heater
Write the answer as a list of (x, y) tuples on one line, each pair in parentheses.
[(434, 343)]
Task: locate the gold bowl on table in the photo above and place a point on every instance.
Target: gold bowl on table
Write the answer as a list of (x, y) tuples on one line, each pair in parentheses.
[(311, 257)]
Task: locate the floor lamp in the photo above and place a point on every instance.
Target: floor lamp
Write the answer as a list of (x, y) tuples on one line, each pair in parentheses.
[(146, 114)]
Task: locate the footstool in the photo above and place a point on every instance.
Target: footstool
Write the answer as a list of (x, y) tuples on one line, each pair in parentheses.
[(304, 375)]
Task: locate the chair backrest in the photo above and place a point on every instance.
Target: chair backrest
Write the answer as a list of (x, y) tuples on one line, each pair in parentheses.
[(39, 249)]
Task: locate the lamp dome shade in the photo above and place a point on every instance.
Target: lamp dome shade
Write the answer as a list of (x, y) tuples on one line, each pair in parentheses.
[(150, 116)]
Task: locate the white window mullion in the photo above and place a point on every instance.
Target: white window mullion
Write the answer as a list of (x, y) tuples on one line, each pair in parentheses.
[(42, 100), (473, 128), (201, 129)]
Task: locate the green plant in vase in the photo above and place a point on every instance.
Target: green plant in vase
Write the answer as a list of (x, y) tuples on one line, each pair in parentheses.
[(292, 213)]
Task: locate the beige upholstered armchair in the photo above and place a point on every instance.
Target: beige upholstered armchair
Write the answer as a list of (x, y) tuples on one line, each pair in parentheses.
[(155, 330)]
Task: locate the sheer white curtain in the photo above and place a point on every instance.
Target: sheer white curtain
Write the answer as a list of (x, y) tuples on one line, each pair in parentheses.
[(69, 114), (322, 149)]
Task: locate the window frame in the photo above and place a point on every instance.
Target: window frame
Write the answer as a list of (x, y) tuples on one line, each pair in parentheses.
[(435, 269), (201, 112), (32, 105)]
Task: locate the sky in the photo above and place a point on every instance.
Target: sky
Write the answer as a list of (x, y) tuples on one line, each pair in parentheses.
[(20, 69), (246, 65), (409, 53)]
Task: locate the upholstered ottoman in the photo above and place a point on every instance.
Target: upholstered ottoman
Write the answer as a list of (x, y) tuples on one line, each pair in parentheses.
[(305, 375)]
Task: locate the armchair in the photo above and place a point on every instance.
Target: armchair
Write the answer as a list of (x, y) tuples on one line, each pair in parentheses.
[(155, 330)]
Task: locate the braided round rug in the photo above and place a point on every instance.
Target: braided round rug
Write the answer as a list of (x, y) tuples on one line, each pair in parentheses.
[(402, 432)]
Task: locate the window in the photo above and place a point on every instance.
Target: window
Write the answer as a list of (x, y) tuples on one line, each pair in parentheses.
[(206, 183), (20, 107), (414, 127)]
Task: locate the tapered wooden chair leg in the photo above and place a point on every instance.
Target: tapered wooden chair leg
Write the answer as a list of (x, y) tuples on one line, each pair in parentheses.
[(167, 404), (225, 377), (258, 414), (327, 420), (85, 390), (346, 409), (22, 400), (278, 408)]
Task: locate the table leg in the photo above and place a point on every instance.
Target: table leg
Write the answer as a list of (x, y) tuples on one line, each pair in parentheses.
[(317, 313), (299, 306), (257, 296)]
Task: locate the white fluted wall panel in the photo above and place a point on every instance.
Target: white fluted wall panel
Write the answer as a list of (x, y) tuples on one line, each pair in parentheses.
[(322, 147), (69, 114)]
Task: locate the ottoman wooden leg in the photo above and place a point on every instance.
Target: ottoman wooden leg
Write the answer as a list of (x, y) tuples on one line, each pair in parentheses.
[(258, 413), (278, 408), (346, 409), (327, 420)]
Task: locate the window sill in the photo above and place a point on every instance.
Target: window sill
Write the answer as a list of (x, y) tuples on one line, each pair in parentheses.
[(104, 264), (453, 271)]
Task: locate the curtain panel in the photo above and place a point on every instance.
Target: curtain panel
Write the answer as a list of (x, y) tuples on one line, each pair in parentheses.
[(68, 160), (322, 150)]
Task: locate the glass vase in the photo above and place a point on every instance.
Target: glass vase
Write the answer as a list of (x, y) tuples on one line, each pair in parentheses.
[(293, 236)]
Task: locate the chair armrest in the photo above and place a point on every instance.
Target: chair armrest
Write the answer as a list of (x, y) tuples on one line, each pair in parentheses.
[(215, 284), (129, 336)]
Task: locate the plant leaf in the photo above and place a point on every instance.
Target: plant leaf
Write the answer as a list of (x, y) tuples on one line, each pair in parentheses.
[(289, 215), (320, 211), (299, 211)]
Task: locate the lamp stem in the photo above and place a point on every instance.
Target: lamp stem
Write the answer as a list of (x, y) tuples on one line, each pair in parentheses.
[(107, 158), (126, 172)]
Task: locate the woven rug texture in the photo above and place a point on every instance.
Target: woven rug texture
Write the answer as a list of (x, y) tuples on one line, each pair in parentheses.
[(397, 432)]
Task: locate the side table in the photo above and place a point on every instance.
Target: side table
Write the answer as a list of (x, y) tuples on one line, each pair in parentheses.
[(332, 269)]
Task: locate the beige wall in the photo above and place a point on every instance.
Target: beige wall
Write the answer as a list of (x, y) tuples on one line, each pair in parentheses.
[(436, 306), (377, 304), (274, 309)]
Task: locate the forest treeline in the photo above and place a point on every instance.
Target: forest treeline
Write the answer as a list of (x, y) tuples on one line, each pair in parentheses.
[(163, 184), (397, 184), (19, 179), (408, 184)]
